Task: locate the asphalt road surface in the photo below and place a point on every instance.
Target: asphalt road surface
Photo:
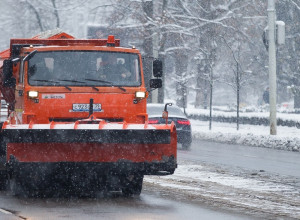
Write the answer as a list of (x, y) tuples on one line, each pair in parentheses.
[(261, 182), (251, 158), (150, 205), (194, 198)]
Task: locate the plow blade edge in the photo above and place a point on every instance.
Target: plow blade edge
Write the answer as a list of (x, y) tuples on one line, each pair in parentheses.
[(121, 136)]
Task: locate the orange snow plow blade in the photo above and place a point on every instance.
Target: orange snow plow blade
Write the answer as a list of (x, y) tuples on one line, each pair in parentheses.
[(147, 148)]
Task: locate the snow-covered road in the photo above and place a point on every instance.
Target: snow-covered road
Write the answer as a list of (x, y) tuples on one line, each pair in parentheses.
[(258, 194), (263, 183)]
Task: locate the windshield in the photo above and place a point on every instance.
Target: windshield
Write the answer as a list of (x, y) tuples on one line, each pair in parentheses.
[(84, 68)]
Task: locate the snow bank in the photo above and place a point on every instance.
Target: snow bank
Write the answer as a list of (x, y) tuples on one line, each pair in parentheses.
[(254, 118), (251, 135), (251, 140)]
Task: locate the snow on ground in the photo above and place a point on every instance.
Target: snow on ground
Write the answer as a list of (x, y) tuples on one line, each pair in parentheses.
[(259, 194), (258, 114), (198, 173), (264, 195), (287, 138)]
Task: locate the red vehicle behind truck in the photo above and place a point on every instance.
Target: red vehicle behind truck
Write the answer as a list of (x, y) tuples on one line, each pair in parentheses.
[(74, 120)]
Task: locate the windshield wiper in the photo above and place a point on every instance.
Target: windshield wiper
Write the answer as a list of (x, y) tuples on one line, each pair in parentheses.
[(44, 80), (99, 80), (68, 80), (51, 81), (107, 82)]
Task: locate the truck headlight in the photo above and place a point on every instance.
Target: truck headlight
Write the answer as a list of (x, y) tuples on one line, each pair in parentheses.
[(33, 94), (140, 95)]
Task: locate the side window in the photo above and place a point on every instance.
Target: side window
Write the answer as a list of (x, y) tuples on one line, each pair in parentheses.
[(40, 68), (21, 72)]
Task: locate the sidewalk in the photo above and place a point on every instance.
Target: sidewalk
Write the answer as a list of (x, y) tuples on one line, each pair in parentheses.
[(287, 138)]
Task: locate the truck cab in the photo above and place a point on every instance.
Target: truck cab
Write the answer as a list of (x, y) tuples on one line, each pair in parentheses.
[(57, 84)]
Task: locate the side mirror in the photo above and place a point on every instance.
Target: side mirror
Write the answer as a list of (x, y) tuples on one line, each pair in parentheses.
[(155, 83), (157, 68), (8, 80), (7, 68), (10, 83)]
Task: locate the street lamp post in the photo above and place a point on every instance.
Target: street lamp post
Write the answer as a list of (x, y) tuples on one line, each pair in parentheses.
[(272, 66)]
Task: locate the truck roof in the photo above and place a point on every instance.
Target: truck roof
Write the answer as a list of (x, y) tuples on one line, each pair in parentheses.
[(53, 38)]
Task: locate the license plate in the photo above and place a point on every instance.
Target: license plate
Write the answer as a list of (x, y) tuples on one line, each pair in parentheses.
[(86, 107)]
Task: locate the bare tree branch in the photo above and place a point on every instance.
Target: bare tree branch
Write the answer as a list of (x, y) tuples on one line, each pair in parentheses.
[(55, 13), (37, 15)]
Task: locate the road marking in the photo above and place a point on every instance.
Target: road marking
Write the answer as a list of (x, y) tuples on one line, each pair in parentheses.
[(5, 212)]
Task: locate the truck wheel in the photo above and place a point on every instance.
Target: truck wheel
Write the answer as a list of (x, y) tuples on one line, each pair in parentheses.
[(15, 187), (18, 188), (132, 185), (186, 146), (3, 180), (3, 174)]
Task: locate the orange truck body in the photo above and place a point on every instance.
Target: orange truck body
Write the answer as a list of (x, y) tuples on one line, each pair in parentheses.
[(58, 127)]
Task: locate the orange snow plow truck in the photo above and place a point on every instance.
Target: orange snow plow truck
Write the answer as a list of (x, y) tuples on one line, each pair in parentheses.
[(77, 117)]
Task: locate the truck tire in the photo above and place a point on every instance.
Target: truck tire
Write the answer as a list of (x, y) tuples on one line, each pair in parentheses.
[(186, 146), (15, 187), (132, 185), (3, 180), (20, 188), (3, 174)]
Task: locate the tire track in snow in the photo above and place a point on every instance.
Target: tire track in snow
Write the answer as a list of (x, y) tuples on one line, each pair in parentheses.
[(270, 195)]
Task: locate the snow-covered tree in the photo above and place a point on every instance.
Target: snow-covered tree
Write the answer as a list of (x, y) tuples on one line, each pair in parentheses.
[(288, 65), (27, 18), (183, 33)]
